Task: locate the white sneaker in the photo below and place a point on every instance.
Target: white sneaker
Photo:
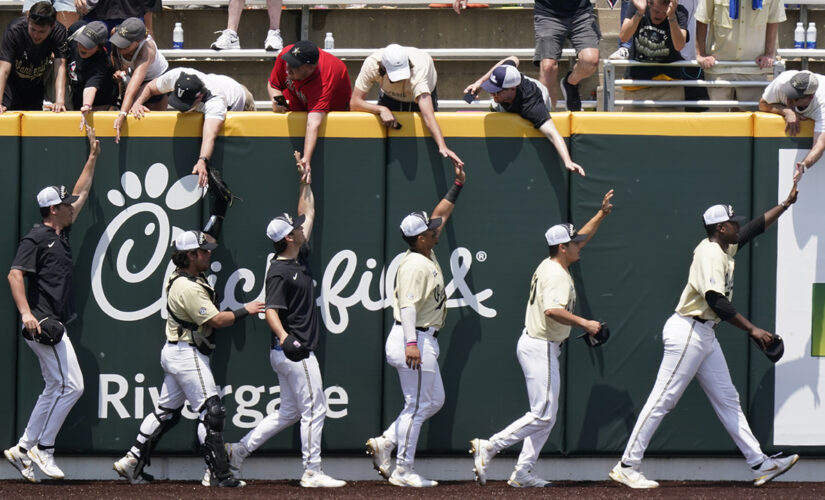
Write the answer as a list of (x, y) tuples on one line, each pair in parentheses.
[(482, 452), (45, 460), (208, 478), (621, 53), (21, 462), (629, 476), (228, 40), (406, 477), (273, 40), (317, 479), (236, 453), (523, 478), (381, 450), (773, 468)]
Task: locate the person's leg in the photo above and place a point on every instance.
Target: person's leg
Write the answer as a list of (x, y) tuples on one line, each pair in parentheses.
[(584, 36), (233, 17), (312, 404), (273, 8), (550, 34)]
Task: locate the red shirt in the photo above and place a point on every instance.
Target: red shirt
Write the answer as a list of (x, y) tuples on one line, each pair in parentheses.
[(326, 89)]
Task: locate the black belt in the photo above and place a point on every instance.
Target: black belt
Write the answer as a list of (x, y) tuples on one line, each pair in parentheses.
[(422, 329), (702, 320), (175, 342)]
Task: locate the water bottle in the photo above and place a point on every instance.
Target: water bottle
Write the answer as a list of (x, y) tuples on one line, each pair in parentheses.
[(177, 36), (799, 36), (329, 42), (810, 36)]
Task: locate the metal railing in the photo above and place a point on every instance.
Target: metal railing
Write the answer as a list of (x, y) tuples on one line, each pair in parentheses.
[(458, 54)]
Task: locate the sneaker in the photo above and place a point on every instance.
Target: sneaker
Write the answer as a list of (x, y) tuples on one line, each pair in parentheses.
[(406, 477), (629, 476), (571, 94), (208, 478), (482, 452), (523, 478), (274, 40), (228, 40), (45, 460), (317, 479), (621, 53), (381, 450), (21, 462), (125, 468), (231, 482), (771, 468), (236, 452)]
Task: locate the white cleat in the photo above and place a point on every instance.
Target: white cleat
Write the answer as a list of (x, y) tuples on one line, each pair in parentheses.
[(522, 478), (274, 41), (381, 450), (629, 476), (773, 468), (228, 40), (406, 477), (21, 462), (317, 479), (483, 452), (45, 461), (236, 453), (208, 479), (125, 467)]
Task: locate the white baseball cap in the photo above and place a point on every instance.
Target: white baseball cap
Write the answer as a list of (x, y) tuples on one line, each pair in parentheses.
[(418, 222), (396, 62), (503, 77), (54, 195), (720, 213), (282, 225), (191, 240), (562, 233)]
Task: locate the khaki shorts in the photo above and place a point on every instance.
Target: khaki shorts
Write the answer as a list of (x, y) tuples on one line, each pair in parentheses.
[(736, 93), (655, 94)]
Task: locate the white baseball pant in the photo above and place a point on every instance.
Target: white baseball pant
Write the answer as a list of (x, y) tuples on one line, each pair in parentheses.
[(539, 361), (691, 349), (302, 397), (422, 388)]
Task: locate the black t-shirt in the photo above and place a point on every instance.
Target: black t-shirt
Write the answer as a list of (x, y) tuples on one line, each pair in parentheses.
[(95, 71), (654, 43), (528, 102), (118, 9), (561, 8), (289, 289), (46, 259), (29, 62)]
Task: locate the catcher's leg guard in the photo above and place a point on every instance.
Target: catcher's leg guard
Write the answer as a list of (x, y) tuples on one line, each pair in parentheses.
[(213, 449), (166, 419)]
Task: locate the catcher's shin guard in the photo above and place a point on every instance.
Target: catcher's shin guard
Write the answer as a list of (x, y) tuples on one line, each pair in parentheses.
[(213, 448)]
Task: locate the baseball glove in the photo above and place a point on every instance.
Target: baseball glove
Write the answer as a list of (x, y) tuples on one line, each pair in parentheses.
[(599, 338), (775, 349), (219, 188)]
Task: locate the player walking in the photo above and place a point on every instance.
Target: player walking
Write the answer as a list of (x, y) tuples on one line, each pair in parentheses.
[(548, 321), (419, 309), (691, 348), (44, 257)]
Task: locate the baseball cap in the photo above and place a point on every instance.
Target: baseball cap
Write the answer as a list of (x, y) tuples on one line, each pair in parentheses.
[(54, 195), (90, 35), (562, 233), (191, 240), (503, 77), (720, 213), (396, 62), (801, 84), (186, 91), (302, 52), (282, 225), (294, 349), (130, 30), (418, 222)]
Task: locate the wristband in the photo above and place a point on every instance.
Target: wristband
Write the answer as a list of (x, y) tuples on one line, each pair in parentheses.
[(452, 194), (205, 160), (412, 343), (122, 113), (784, 205), (240, 313)]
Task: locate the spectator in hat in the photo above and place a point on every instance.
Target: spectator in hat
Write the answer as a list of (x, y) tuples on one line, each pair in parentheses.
[(798, 95), (29, 44), (190, 90), (406, 81), (514, 92), (90, 70), (135, 51), (306, 78), (229, 39)]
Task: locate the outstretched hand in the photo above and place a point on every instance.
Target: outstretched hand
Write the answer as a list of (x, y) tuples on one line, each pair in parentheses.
[(303, 167), (607, 206), (460, 175), (94, 144)]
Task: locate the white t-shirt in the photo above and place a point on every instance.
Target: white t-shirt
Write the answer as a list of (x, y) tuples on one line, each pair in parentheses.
[(227, 94), (773, 94)]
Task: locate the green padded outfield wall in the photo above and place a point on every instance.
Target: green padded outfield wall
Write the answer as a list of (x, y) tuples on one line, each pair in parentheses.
[(665, 169)]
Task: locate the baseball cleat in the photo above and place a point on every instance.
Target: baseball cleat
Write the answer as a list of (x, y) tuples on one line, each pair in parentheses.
[(45, 461), (381, 450), (772, 468), (126, 468), (236, 453), (317, 479), (208, 478), (629, 476), (21, 462), (482, 452), (406, 477), (523, 478)]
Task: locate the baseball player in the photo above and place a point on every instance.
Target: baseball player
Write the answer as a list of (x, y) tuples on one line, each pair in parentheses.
[(691, 349), (548, 321), (193, 316), (44, 257), (419, 309), (293, 317)]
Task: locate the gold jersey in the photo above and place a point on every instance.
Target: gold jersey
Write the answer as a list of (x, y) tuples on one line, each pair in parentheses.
[(189, 301), (711, 269), (551, 288), (419, 283)]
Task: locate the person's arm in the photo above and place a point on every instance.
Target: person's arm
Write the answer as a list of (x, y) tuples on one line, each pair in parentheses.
[(149, 90), (549, 130), (475, 87), (766, 60), (358, 102), (60, 86), (458, 5), (211, 127), (678, 35), (425, 104), (773, 214), (274, 322), (314, 120), (792, 118), (18, 293), (812, 157), (228, 318), (565, 317), (445, 207), (704, 60), (726, 312), (5, 70), (84, 181), (593, 224), (89, 94), (631, 22), (306, 199)]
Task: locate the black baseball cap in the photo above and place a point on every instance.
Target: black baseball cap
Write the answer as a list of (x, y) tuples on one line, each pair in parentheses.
[(130, 30), (187, 88), (302, 52), (90, 35)]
